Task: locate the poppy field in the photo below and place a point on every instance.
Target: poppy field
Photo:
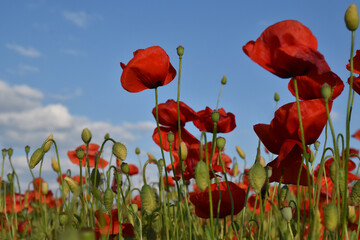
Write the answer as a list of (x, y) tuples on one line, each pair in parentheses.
[(306, 190)]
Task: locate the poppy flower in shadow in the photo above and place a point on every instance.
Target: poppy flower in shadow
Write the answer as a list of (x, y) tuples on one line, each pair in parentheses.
[(149, 68), (356, 61), (102, 224), (93, 150), (225, 124), (287, 49), (201, 200)]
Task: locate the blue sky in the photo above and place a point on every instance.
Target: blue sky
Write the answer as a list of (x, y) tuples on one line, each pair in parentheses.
[(60, 72)]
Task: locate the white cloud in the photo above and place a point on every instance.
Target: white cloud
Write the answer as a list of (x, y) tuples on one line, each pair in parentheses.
[(80, 19), (28, 52), (78, 92), (23, 69), (71, 52)]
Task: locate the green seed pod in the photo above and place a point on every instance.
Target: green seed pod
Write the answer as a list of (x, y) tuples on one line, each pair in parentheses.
[(161, 163), (257, 177), (331, 216), (215, 116), (235, 170), (47, 143), (73, 185), (80, 153), (125, 168), (355, 193), (86, 234), (10, 152), (170, 137), (201, 175), (10, 177), (223, 80), (36, 157), (326, 91), (63, 218), (119, 150), (240, 152), (184, 151), (312, 157), (44, 188), (148, 199), (317, 145), (332, 171), (220, 143), (352, 17), (283, 193), (4, 151), (92, 177), (97, 194), (286, 213), (151, 234), (108, 199), (276, 97), (180, 50), (134, 207), (107, 136), (137, 151), (351, 214), (86, 135), (27, 149)]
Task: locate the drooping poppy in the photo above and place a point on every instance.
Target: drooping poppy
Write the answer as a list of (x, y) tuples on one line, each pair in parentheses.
[(287, 49), (102, 224), (149, 68), (225, 124), (93, 150), (202, 205)]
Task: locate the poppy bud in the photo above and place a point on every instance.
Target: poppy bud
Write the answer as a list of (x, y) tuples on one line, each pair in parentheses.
[(215, 116), (4, 151), (342, 180), (36, 157), (276, 97), (286, 213), (10, 177), (326, 91), (107, 136), (223, 80), (352, 17), (332, 171), (331, 216), (317, 145), (87, 234), (170, 137), (180, 51), (283, 193), (97, 194), (54, 164), (161, 163), (73, 185), (240, 152), (92, 177), (220, 143), (184, 151), (355, 193), (137, 151), (351, 214), (134, 207), (86, 135), (125, 168), (201, 175), (235, 170), (44, 188), (48, 143), (148, 199), (108, 199), (27, 149), (312, 157), (63, 218), (257, 177), (119, 150), (10, 152), (80, 153)]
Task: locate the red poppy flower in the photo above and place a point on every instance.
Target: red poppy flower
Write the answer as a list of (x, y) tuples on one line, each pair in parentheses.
[(137, 201), (225, 124), (287, 49), (93, 149), (37, 182), (356, 135), (103, 220), (149, 68), (251, 204), (201, 200), (309, 86), (356, 84), (15, 203), (133, 169), (171, 182), (356, 61)]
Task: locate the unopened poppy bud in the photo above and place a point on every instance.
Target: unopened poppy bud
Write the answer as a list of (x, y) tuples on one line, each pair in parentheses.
[(355, 193), (125, 168), (44, 188), (87, 234), (215, 116), (73, 185), (312, 157), (63, 218), (201, 175), (317, 145), (10, 177), (10, 152), (184, 151), (257, 177), (352, 17), (119, 150), (134, 207), (262, 161), (108, 199), (4, 151), (93, 175), (137, 151), (326, 91), (170, 137), (54, 164), (161, 163), (36, 157), (27, 149), (276, 97), (107, 136), (180, 51), (332, 171), (220, 143), (330, 216), (235, 170), (48, 142), (223, 80), (286, 213), (240, 152), (148, 199), (283, 193), (351, 214), (80, 153)]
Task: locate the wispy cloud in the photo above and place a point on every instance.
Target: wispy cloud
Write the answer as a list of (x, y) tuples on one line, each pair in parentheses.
[(62, 97), (80, 19), (71, 52), (27, 52), (23, 69)]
